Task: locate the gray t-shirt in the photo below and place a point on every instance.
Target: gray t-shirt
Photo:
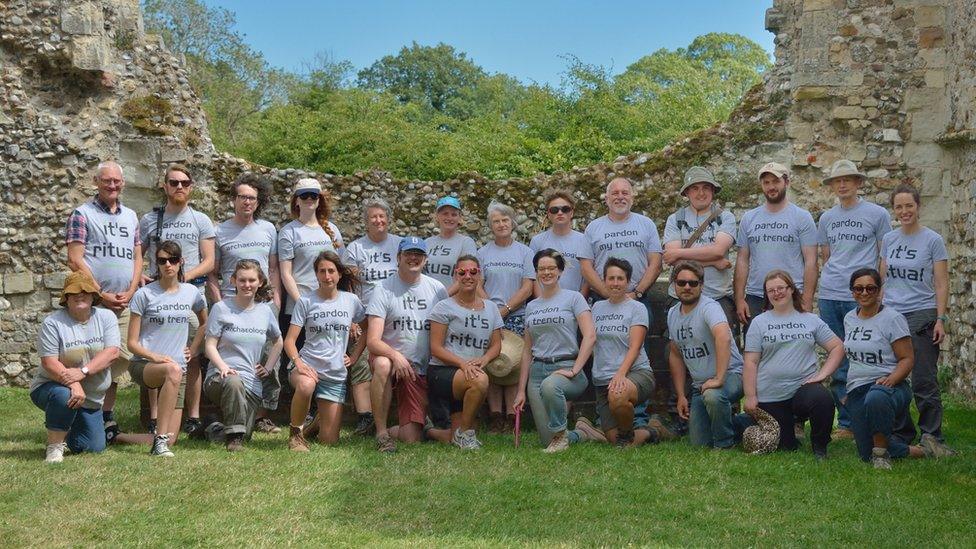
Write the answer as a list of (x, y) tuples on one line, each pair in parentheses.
[(853, 236), (110, 245), (187, 228), (405, 309), (788, 351), (775, 241), (376, 261), (631, 239), (468, 332), (257, 241), (241, 336), (574, 246), (867, 343), (504, 268), (679, 228), (327, 324), (165, 322), (910, 260), (613, 323), (692, 334), (553, 325), (75, 344), (301, 244), (443, 253)]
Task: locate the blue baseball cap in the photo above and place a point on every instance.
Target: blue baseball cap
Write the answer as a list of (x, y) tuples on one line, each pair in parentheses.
[(412, 243), (451, 201)]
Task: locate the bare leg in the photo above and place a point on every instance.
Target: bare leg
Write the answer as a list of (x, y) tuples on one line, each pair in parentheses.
[(330, 419), (193, 383), (152, 395), (56, 437), (510, 392), (361, 397), (381, 392), (304, 387), (496, 398), (109, 403)]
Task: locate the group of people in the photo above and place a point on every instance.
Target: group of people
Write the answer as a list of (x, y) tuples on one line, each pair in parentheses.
[(422, 321)]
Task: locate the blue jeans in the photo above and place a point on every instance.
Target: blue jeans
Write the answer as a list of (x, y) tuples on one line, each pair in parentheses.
[(85, 427), (710, 422), (875, 409), (547, 394), (833, 312)]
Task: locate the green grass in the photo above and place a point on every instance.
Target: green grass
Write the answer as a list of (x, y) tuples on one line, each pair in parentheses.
[(666, 495)]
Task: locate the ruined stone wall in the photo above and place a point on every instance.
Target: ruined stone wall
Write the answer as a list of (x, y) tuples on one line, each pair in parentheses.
[(886, 83)]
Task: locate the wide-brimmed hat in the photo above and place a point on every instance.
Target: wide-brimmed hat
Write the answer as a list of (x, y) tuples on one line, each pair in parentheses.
[(842, 168), (774, 168), (698, 174), (763, 437), (79, 283), (307, 185), (504, 369)]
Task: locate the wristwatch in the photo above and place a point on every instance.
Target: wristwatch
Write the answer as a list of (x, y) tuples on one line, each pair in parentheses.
[(638, 294), (944, 318), (84, 370)]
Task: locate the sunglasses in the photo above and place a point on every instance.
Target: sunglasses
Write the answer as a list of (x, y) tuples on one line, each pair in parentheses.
[(473, 271), (687, 283), (308, 196), (560, 209), (171, 260), (174, 183), (870, 290)]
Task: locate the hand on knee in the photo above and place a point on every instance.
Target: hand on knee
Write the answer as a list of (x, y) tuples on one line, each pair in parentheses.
[(714, 398)]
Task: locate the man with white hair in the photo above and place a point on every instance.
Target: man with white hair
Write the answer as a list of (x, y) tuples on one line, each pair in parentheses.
[(102, 238)]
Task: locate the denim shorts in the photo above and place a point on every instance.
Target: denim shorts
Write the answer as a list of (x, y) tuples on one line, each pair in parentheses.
[(334, 391)]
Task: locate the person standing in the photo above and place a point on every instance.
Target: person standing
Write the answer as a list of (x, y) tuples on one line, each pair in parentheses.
[(776, 235), (849, 235), (448, 245), (103, 241), (915, 266), (560, 236)]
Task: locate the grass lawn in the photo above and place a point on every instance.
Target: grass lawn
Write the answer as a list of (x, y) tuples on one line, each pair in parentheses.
[(434, 495)]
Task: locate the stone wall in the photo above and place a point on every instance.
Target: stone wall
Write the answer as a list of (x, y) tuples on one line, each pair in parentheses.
[(887, 83)]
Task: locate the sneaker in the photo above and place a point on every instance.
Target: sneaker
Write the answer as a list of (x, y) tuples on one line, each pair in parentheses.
[(265, 425), (193, 427), (559, 443), (215, 432), (385, 444), (160, 446), (366, 425), (55, 452), (151, 426), (297, 442), (235, 442), (496, 423), (465, 440), (880, 458), (820, 454), (663, 433), (111, 431), (934, 447), (624, 440), (588, 432), (841, 433)]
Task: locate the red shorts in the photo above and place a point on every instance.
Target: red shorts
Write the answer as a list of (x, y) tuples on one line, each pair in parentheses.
[(411, 398)]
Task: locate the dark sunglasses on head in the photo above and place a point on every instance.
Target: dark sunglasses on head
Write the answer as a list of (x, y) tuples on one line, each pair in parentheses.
[(174, 183), (560, 209), (473, 271), (170, 260), (865, 289), (689, 283), (308, 196)]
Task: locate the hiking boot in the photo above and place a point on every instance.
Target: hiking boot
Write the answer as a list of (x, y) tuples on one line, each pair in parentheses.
[(151, 426), (559, 443), (624, 440), (496, 423), (509, 423), (385, 444), (55, 452), (465, 440), (215, 432), (265, 425), (934, 447), (366, 425), (111, 431), (310, 429), (297, 442), (235, 442), (880, 458), (160, 447), (657, 428), (841, 433), (193, 427), (820, 453), (588, 432)]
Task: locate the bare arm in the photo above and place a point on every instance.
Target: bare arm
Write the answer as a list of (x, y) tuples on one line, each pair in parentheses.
[(524, 371), (739, 284), (360, 345), (835, 355), (438, 334), (673, 252), (651, 274), (723, 352), (809, 276), (520, 296), (135, 328), (824, 254), (941, 282), (66, 376), (206, 260), (197, 344), (288, 280), (274, 279), (905, 355), (271, 362), (677, 367), (210, 349), (750, 373), (585, 323), (592, 278)]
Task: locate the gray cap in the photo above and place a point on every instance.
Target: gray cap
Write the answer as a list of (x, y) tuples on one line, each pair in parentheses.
[(698, 174), (843, 168)]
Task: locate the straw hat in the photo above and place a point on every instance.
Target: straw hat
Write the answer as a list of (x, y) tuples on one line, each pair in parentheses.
[(504, 370), (763, 437), (79, 283)]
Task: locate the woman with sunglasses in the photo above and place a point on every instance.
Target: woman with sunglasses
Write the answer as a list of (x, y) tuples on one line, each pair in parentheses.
[(553, 354), (572, 244), (465, 335), (444, 248), (320, 366), (238, 330), (879, 349), (158, 340), (780, 373)]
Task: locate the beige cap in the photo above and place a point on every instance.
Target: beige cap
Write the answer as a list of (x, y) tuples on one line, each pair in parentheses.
[(698, 174), (504, 369), (308, 184), (774, 168), (841, 168)]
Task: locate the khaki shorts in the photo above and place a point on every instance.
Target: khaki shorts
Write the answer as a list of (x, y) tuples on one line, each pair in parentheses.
[(121, 364), (359, 371), (137, 370), (642, 379)]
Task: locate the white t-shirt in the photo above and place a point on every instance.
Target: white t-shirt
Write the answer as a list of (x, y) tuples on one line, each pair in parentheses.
[(613, 323), (853, 236), (910, 259), (867, 343), (574, 246), (241, 336), (443, 253), (327, 324), (258, 241), (553, 325), (405, 310), (692, 334), (165, 318), (788, 351), (376, 261), (301, 244), (504, 268), (468, 332), (631, 239), (775, 241), (188, 228)]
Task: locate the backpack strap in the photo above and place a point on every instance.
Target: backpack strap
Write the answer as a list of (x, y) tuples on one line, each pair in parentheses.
[(701, 228)]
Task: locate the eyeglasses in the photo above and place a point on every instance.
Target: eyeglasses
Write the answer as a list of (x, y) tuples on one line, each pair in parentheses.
[(473, 271), (560, 209), (110, 180), (245, 198), (777, 290), (171, 260), (870, 290), (687, 283), (174, 183), (308, 196)]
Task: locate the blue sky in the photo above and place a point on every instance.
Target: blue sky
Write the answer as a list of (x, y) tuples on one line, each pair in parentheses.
[(524, 39)]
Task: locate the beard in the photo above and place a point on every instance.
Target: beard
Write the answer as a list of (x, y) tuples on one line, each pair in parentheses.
[(688, 299), (777, 198)]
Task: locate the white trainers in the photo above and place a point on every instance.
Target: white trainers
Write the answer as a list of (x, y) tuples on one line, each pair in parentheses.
[(880, 458), (160, 447), (465, 440), (559, 443), (55, 452)]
